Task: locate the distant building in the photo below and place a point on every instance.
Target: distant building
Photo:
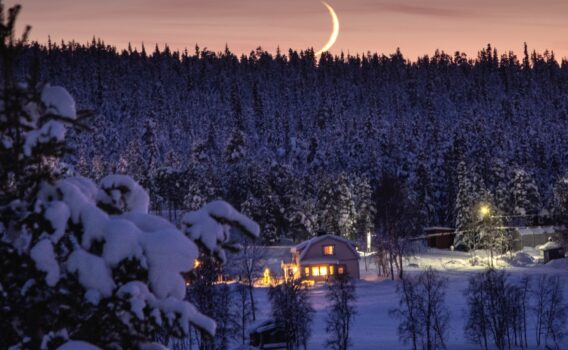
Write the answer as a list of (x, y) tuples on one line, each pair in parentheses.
[(552, 250), (439, 237), (323, 257), (533, 236), (267, 335)]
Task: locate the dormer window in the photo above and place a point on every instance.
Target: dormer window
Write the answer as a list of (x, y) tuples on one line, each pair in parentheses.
[(328, 250)]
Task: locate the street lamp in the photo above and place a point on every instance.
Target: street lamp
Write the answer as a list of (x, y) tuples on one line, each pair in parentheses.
[(484, 213)]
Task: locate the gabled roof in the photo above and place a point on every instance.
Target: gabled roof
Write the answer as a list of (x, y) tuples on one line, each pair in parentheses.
[(303, 247)]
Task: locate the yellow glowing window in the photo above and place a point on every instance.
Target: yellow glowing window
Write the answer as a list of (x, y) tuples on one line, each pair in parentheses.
[(331, 269), (341, 270), (307, 271), (315, 271), (323, 270), (328, 250)]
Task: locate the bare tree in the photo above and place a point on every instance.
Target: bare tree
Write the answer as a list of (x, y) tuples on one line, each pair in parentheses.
[(249, 264), (408, 329), (397, 219), (550, 311), (341, 295), (524, 287), (244, 310), (292, 312), (488, 308), (424, 316), (498, 310)]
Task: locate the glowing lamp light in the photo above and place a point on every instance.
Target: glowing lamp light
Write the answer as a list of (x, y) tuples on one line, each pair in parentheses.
[(484, 211), (266, 279)]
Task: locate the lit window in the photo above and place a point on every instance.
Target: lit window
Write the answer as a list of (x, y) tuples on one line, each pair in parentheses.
[(323, 270), (315, 271), (328, 250), (331, 269), (307, 271), (341, 270)]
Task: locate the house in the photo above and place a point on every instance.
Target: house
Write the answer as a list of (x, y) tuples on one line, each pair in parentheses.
[(323, 257)]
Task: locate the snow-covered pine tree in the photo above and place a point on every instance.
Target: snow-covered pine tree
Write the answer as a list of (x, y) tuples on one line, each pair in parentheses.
[(499, 186), (424, 195), (525, 196), (365, 208), (471, 195), (235, 150), (337, 207), (561, 200)]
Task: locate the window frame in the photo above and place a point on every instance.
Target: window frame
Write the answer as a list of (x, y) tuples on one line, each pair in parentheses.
[(332, 249)]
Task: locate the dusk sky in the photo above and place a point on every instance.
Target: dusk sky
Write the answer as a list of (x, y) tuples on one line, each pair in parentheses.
[(418, 27)]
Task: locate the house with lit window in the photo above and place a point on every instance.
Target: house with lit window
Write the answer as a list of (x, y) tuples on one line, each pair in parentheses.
[(323, 257)]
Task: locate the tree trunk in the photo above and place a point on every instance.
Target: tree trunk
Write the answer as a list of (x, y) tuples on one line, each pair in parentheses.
[(251, 295)]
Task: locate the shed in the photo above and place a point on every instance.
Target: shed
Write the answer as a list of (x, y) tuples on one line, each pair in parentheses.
[(267, 335), (439, 237), (552, 250)]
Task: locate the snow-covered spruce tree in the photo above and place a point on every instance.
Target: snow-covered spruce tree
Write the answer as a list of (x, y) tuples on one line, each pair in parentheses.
[(342, 297), (525, 196), (292, 312), (337, 207), (81, 261), (472, 193), (499, 186), (365, 208), (424, 195), (561, 200)]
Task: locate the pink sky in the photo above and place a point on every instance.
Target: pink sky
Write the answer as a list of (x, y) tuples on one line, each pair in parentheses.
[(418, 27)]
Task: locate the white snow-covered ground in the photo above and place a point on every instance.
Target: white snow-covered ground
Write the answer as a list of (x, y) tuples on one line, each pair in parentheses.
[(375, 329)]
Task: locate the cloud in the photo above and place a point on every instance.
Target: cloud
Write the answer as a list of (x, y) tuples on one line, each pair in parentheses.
[(421, 10)]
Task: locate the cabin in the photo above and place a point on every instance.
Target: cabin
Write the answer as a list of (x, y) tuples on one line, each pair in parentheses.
[(323, 257)]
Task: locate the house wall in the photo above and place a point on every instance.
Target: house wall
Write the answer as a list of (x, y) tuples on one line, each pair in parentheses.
[(342, 253)]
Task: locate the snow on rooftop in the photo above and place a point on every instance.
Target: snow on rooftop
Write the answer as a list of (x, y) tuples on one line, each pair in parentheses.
[(303, 247), (536, 230), (549, 245), (78, 345)]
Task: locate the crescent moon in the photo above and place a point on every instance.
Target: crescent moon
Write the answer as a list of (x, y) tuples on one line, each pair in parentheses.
[(334, 33)]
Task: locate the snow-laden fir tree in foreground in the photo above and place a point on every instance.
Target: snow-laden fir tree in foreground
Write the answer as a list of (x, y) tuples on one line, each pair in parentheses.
[(81, 260)]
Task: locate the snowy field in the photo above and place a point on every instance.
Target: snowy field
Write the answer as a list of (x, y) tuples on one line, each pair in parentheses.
[(375, 329)]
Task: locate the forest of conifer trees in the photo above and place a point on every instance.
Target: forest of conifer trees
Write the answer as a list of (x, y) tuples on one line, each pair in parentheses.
[(300, 144)]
